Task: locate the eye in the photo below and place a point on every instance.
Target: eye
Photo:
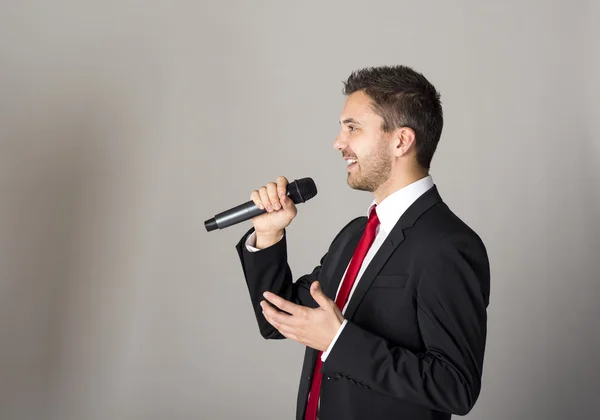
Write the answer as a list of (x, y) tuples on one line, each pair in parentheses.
[(351, 128)]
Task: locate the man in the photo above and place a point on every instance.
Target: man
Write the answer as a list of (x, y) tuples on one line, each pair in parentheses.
[(394, 316)]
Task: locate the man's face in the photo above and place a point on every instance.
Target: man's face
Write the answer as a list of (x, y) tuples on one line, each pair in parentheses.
[(361, 139)]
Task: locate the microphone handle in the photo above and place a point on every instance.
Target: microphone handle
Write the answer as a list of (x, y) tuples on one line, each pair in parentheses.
[(245, 211)]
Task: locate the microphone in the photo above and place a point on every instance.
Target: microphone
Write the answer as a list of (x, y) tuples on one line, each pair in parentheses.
[(298, 191)]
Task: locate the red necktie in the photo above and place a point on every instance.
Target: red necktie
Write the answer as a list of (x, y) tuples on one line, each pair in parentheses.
[(340, 300)]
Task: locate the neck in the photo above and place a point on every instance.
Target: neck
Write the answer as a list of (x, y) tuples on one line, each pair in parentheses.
[(397, 182)]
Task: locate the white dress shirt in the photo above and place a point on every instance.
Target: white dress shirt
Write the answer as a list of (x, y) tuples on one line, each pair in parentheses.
[(389, 212)]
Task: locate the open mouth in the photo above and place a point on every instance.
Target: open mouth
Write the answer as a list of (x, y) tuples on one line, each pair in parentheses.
[(351, 163)]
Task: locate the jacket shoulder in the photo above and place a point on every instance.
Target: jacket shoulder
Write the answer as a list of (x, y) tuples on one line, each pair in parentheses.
[(440, 223)]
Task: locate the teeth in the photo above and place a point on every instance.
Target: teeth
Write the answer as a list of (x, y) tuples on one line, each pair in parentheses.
[(350, 162)]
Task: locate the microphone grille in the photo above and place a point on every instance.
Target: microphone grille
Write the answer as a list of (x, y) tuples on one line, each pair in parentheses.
[(302, 189)]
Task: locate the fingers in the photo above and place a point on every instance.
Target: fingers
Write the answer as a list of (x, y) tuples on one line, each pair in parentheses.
[(264, 196), (274, 315), (286, 202), (255, 196), (282, 184), (269, 196), (261, 199), (272, 193), (318, 295), (284, 305), (286, 330), (288, 206)]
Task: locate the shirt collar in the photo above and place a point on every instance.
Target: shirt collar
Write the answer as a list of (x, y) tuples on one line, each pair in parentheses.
[(394, 205)]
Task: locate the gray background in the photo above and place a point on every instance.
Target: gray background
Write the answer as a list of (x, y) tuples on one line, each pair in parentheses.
[(125, 125)]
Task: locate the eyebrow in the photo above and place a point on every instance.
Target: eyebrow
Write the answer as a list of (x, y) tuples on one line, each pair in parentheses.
[(349, 120)]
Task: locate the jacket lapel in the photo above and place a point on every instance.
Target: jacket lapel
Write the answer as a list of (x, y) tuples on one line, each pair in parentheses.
[(343, 255), (393, 240)]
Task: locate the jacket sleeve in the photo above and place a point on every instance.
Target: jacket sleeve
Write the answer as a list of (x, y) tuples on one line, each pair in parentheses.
[(268, 270), (452, 297)]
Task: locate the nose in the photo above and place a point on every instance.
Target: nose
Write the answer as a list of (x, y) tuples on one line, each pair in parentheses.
[(340, 142)]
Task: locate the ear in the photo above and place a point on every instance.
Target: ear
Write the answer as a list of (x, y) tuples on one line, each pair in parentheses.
[(405, 140)]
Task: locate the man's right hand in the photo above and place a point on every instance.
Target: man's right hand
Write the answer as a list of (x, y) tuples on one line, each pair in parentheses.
[(281, 210)]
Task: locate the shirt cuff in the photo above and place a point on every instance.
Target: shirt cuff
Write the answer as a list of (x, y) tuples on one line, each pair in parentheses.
[(251, 242), (326, 353)]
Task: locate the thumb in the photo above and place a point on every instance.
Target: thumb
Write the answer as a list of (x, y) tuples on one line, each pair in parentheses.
[(317, 294), (288, 204)]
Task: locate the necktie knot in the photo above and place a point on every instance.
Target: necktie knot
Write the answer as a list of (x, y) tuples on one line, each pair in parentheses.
[(373, 219)]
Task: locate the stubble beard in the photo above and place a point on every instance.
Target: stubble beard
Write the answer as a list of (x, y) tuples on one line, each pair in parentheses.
[(372, 170)]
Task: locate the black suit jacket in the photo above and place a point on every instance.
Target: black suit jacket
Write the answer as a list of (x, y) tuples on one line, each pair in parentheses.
[(414, 343)]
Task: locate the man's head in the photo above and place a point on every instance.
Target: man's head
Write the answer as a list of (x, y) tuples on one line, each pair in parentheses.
[(391, 124)]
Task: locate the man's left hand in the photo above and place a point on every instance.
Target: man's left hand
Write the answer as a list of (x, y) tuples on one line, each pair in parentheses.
[(311, 327)]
